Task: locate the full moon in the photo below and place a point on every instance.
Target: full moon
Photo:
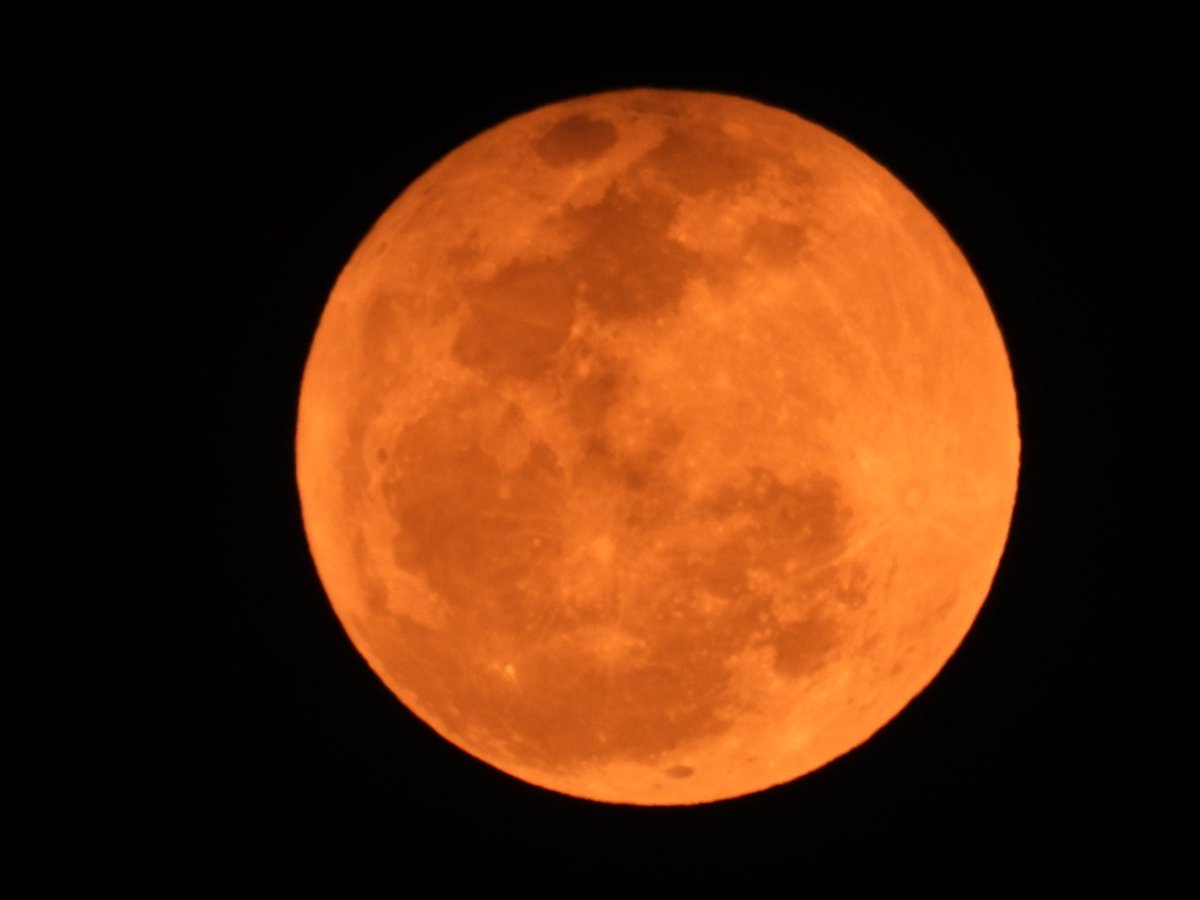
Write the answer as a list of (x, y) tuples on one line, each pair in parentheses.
[(657, 447)]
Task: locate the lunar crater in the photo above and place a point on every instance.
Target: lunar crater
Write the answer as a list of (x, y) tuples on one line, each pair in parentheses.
[(575, 139)]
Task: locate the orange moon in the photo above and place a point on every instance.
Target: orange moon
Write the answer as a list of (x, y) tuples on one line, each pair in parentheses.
[(657, 447)]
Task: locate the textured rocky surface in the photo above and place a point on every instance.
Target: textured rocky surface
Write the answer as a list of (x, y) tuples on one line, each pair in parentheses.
[(657, 447)]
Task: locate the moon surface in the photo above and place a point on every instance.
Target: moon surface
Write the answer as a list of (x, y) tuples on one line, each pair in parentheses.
[(657, 447)]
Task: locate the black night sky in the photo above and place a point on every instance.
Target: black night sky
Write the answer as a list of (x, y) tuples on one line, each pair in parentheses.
[(186, 714)]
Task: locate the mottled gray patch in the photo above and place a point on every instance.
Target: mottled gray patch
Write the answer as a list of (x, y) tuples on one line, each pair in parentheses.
[(624, 257), (794, 532), (803, 647), (492, 546), (485, 541), (622, 263), (466, 253), (769, 523), (776, 243), (517, 320), (699, 158), (381, 329), (591, 395), (612, 466), (576, 139)]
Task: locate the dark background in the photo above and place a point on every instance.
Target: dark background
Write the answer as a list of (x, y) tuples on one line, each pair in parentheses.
[(185, 711)]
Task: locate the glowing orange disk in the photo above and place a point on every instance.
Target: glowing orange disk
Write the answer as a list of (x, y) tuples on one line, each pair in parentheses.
[(657, 447)]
